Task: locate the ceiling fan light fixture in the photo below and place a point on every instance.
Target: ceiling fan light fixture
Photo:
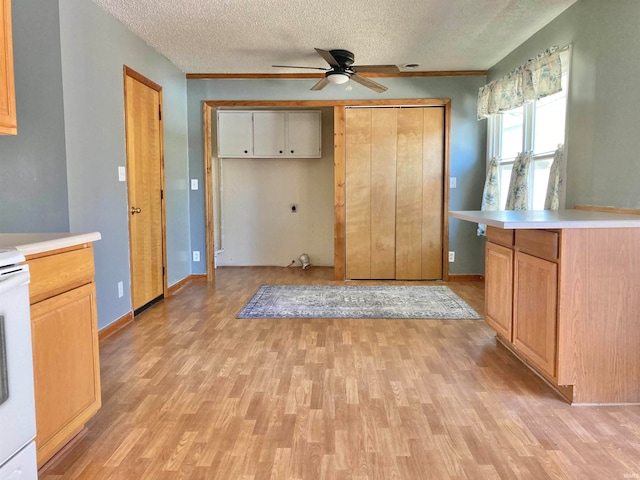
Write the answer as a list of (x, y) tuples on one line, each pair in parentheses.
[(337, 78)]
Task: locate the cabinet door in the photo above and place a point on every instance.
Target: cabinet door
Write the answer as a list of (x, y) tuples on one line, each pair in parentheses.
[(268, 134), (304, 134), (8, 123), (499, 288), (235, 134), (66, 366), (535, 311)]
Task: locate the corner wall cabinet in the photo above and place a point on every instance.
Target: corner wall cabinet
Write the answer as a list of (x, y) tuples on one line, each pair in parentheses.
[(566, 302), (64, 333), (269, 134), (8, 120)]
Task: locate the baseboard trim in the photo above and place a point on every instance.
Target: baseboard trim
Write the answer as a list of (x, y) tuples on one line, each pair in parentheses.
[(466, 278), (112, 328), (200, 277)]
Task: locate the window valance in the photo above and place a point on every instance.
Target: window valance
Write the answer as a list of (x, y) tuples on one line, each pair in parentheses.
[(539, 77)]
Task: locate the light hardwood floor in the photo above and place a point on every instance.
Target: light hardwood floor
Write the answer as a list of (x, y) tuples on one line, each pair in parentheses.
[(191, 392)]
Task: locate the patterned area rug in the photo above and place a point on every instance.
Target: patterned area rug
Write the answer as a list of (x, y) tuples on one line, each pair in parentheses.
[(289, 301)]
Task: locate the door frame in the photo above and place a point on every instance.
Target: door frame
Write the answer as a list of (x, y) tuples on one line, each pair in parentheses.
[(338, 106), (129, 72)]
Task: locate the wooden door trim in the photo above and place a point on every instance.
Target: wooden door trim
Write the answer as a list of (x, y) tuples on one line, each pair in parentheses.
[(338, 162), (129, 72)]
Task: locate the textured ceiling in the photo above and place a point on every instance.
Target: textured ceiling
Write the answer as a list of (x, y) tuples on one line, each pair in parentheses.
[(248, 36)]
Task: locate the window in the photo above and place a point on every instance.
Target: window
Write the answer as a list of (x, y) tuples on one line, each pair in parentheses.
[(538, 127)]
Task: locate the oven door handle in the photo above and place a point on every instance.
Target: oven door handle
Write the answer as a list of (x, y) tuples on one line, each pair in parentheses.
[(14, 280)]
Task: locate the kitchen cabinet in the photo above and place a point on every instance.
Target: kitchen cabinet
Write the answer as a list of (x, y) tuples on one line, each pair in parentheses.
[(562, 295), (534, 313), (269, 134), (8, 120), (65, 345), (499, 286)]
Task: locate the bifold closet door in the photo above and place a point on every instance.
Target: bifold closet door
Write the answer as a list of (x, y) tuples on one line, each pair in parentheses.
[(394, 160), (420, 169), (370, 192)]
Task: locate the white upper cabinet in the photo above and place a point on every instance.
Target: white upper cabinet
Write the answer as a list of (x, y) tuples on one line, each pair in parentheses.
[(304, 133), (235, 134), (270, 134)]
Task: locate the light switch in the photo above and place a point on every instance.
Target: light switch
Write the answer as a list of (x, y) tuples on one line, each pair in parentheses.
[(194, 184), (452, 182), (122, 174)]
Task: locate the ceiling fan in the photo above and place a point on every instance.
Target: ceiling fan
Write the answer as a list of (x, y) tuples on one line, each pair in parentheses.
[(342, 70)]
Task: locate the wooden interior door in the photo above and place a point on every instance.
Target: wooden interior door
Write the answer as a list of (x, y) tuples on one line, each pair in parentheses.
[(394, 193), (143, 103)]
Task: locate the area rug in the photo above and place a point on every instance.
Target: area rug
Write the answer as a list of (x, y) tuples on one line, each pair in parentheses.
[(294, 301)]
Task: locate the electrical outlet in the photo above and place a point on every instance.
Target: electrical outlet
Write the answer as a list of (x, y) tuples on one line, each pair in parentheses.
[(453, 182), (452, 257), (196, 256), (120, 290), (122, 174), (194, 184)]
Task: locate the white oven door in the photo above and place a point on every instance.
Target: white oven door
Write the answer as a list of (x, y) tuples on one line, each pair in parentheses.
[(17, 407)]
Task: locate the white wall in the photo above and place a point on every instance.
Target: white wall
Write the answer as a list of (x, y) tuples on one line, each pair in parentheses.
[(467, 144), (258, 227), (94, 48), (602, 124)]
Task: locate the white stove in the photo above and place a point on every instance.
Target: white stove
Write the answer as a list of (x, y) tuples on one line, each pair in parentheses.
[(17, 405)]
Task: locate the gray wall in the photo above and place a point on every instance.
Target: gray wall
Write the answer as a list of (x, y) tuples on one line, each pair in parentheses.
[(33, 178), (468, 142), (94, 47), (603, 167)]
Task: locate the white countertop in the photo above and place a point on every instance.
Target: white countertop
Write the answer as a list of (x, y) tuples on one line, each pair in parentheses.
[(32, 243), (549, 219)]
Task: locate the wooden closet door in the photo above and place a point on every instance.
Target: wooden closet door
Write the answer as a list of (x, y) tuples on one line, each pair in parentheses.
[(409, 194), (432, 193), (383, 192), (358, 192), (420, 168)]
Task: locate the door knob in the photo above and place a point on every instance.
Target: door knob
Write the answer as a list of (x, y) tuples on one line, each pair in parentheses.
[(135, 210)]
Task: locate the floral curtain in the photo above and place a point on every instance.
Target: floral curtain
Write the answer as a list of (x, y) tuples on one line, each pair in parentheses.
[(552, 200), (535, 79), (491, 193), (518, 195)]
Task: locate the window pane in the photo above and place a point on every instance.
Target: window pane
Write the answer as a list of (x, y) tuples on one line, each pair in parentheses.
[(540, 177), (550, 121), (511, 133), (504, 172)]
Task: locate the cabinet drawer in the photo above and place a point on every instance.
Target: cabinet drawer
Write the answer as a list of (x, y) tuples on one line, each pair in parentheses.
[(60, 272), (500, 236), (539, 243)]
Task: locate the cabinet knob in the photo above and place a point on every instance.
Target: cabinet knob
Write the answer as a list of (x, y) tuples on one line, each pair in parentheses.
[(291, 151), (280, 151), (246, 151), (135, 210)]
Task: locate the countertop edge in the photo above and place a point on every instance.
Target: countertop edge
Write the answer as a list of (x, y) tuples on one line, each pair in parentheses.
[(556, 220), (56, 243)]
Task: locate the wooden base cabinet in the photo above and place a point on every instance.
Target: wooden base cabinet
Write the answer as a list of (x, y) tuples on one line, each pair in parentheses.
[(535, 316), (65, 347), (499, 288), (574, 307)]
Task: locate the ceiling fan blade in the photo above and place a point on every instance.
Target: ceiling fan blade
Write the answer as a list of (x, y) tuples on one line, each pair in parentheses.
[(328, 57), (293, 66), (376, 68), (321, 84), (376, 87)]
